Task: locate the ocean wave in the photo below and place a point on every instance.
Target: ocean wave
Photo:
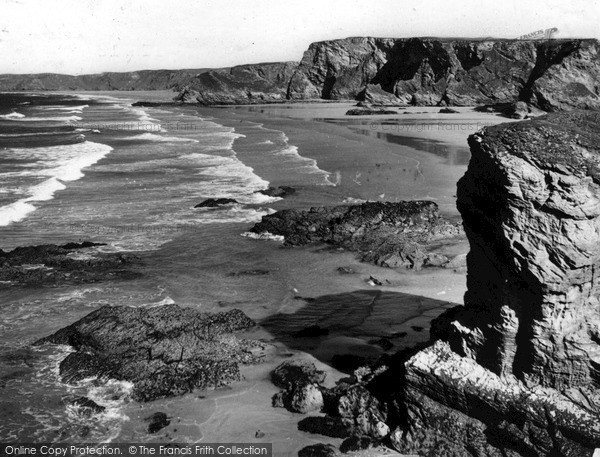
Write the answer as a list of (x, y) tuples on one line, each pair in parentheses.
[(79, 108), (229, 177), (266, 236), (13, 115), (291, 156), (45, 119), (159, 138), (59, 164)]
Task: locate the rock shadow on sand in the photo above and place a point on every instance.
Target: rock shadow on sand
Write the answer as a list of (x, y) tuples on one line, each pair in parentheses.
[(334, 327)]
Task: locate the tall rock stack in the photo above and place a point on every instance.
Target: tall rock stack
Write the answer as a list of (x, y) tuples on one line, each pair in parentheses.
[(516, 371)]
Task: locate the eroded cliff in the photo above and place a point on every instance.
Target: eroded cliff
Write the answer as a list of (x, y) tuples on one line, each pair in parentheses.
[(551, 75), (515, 371)]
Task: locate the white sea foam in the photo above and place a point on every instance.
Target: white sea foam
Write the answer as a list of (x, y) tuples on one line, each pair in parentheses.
[(229, 177), (13, 115), (293, 159), (57, 163), (264, 236), (160, 138), (45, 119), (79, 108)]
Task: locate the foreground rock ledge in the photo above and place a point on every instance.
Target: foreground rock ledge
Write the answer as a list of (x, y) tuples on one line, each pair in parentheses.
[(164, 350), (516, 371)]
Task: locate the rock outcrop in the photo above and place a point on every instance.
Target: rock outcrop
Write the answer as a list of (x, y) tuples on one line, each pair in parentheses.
[(50, 264), (551, 75), (385, 233), (244, 84), (516, 370), (163, 351)]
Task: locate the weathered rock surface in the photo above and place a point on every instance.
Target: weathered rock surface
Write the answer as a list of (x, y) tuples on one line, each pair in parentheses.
[(515, 372), (373, 94), (50, 264), (215, 202), (551, 75), (244, 84), (281, 191), (300, 381), (385, 233), (164, 351)]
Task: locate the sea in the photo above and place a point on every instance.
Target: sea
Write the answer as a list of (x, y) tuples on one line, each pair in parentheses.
[(93, 167)]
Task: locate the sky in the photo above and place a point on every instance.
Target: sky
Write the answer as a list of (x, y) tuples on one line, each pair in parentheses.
[(92, 36)]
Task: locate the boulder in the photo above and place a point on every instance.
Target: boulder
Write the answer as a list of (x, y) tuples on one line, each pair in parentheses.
[(157, 422), (164, 351), (300, 381), (296, 372), (333, 427), (448, 111), (215, 202), (318, 450), (281, 191)]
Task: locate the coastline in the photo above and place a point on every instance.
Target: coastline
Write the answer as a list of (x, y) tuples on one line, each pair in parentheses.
[(207, 279)]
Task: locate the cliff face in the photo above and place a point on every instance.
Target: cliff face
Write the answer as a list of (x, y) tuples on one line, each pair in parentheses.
[(244, 84), (136, 80), (552, 75), (517, 369)]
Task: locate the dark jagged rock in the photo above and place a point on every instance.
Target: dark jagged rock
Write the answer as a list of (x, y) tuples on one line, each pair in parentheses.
[(215, 202), (164, 351), (448, 111), (515, 371), (87, 407), (369, 111), (300, 381), (357, 443), (373, 94), (281, 191), (50, 264), (157, 422), (356, 405), (385, 233), (318, 450), (333, 427), (295, 372)]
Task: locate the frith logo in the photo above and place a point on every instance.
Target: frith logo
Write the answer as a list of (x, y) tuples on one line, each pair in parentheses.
[(539, 34)]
